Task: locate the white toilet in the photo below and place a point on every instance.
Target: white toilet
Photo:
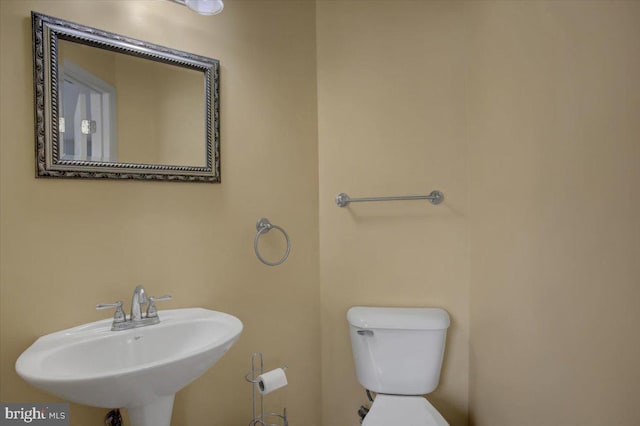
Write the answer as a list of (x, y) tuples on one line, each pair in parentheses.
[(398, 354)]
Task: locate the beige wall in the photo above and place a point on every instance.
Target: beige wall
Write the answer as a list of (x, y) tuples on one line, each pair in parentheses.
[(68, 244), (526, 115), (160, 113), (392, 121), (554, 154), (101, 63)]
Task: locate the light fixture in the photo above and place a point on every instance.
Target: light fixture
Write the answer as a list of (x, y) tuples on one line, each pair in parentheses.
[(203, 7)]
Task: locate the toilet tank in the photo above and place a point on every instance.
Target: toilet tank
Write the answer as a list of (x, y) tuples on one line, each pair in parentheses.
[(398, 351)]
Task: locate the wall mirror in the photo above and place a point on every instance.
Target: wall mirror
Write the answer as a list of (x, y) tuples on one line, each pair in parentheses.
[(109, 106)]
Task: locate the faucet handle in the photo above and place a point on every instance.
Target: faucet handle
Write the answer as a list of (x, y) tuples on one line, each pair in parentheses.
[(152, 311), (119, 316)]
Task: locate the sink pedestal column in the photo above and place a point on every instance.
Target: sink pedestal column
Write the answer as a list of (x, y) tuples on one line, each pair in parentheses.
[(155, 413)]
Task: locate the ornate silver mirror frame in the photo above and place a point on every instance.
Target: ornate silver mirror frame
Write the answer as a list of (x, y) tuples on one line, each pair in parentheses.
[(47, 32)]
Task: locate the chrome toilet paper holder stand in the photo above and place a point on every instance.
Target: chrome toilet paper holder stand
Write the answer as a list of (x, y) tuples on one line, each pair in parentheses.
[(260, 418)]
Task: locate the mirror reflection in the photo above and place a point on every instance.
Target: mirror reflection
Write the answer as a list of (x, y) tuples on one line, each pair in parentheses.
[(155, 110)]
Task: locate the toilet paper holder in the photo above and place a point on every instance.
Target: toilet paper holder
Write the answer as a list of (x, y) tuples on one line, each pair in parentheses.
[(260, 418)]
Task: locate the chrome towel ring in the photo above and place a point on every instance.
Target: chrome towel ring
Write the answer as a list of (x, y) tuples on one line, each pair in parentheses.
[(263, 226)]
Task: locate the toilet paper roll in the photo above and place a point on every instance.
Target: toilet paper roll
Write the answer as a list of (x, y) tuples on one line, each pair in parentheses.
[(271, 380)]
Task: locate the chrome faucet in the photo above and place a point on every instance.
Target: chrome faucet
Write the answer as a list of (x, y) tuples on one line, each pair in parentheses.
[(137, 318), (139, 298)]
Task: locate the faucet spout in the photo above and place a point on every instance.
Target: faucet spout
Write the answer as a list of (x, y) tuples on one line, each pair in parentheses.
[(139, 298)]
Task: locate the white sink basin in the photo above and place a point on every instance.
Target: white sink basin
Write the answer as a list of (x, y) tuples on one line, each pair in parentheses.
[(139, 369)]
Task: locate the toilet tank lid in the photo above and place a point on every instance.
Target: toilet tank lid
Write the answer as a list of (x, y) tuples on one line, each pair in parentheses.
[(398, 318)]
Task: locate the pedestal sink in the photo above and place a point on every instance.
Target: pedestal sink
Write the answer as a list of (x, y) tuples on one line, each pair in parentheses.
[(139, 369)]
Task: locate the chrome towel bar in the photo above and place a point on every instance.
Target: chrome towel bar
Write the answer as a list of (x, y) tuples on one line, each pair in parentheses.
[(435, 198)]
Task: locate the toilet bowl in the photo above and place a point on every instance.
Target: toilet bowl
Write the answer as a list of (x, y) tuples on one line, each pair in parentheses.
[(398, 354), (402, 410)]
